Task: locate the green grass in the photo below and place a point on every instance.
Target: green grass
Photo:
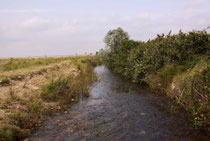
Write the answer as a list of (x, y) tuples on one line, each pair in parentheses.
[(10, 133), (5, 82), (31, 117), (191, 88), (22, 122), (58, 89), (67, 90)]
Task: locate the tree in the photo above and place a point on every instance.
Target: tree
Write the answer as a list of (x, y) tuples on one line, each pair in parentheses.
[(104, 55), (114, 37)]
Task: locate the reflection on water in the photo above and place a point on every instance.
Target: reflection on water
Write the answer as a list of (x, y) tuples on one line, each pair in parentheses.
[(118, 111)]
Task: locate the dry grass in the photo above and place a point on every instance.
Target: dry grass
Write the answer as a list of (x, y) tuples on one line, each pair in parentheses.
[(40, 89)]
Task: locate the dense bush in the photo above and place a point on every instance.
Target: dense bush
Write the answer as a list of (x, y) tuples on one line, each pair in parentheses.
[(136, 59), (159, 61)]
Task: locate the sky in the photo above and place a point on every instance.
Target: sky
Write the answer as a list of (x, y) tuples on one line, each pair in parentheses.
[(68, 27)]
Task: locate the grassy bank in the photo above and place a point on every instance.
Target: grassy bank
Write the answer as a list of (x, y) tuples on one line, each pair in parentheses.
[(18, 68), (189, 88), (25, 113), (177, 65)]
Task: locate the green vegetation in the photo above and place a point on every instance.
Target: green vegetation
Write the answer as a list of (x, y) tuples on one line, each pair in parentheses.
[(26, 114), (20, 63), (177, 65), (5, 82), (21, 122), (67, 90), (10, 132)]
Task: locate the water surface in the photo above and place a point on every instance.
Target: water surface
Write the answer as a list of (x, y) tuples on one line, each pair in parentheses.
[(118, 110)]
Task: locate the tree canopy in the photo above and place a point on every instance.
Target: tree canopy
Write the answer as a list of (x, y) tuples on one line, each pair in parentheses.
[(114, 37)]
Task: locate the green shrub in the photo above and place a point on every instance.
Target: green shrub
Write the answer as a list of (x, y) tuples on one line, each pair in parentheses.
[(91, 60), (57, 90), (201, 90), (10, 133), (31, 117), (66, 90), (149, 57), (5, 82), (167, 73)]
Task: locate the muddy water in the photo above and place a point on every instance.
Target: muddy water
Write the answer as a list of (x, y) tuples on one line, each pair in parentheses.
[(118, 111)]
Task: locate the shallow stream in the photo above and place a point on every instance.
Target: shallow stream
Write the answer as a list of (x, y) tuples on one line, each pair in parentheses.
[(118, 110)]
